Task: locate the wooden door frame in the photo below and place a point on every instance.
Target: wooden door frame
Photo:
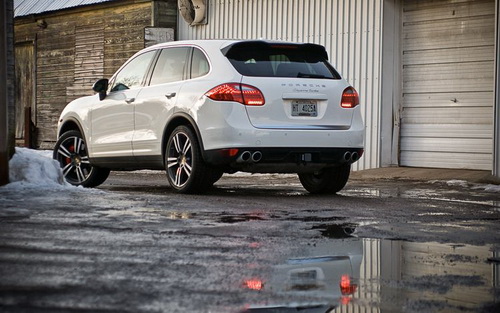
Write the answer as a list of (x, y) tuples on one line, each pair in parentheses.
[(30, 118)]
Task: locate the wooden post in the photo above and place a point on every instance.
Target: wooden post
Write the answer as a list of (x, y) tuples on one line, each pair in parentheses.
[(4, 126), (27, 127)]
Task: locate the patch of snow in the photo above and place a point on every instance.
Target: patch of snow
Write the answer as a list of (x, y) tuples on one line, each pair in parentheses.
[(466, 184), (34, 169), (488, 187), (274, 175), (150, 172), (459, 183)]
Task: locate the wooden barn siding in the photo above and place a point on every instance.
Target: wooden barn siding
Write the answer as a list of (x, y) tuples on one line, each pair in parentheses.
[(66, 68), (165, 14)]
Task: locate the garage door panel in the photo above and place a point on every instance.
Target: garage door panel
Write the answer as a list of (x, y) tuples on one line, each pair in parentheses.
[(442, 34), (446, 85), (418, 11), (459, 145), (431, 131), (450, 55), (449, 115), (473, 161), (475, 76), (448, 99), (413, 5)]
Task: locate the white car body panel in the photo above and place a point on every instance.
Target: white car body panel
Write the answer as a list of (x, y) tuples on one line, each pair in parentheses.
[(152, 108), (112, 124)]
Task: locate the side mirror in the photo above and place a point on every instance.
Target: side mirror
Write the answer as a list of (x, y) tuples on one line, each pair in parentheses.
[(101, 87)]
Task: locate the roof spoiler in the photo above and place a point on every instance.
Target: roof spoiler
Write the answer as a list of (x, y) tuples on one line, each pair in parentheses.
[(237, 48)]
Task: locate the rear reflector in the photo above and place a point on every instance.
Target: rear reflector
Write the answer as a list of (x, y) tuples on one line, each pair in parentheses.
[(350, 98), (244, 94), (229, 152)]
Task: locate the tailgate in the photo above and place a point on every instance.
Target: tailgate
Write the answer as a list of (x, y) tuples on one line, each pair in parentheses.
[(299, 103)]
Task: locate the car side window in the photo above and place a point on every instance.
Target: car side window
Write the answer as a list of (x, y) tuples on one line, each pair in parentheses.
[(170, 66), (132, 75), (199, 64)]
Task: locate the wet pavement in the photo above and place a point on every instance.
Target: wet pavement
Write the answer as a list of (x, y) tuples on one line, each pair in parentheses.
[(253, 244)]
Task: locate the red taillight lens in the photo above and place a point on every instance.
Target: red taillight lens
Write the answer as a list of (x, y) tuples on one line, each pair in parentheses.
[(254, 284), (350, 98), (245, 94), (346, 285), (252, 95)]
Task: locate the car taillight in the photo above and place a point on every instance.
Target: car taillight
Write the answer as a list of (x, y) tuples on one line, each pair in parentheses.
[(350, 98), (245, 94), (346, 285), (254, 284)]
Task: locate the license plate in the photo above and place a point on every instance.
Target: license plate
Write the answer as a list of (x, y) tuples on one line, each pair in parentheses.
[(304, 108), (304, 275)]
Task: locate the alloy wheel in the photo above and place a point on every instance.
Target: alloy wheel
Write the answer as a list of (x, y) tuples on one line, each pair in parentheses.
[(180, 159), (73, 157)]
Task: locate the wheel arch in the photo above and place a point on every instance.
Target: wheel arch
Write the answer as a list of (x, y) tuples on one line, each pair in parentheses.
[(176, 120), (70, 124)]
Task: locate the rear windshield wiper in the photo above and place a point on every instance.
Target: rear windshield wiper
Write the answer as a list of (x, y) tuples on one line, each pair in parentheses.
[(304, 75)]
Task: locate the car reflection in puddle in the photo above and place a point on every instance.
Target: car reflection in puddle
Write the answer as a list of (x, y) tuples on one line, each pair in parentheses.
[(317, 283), (373, 275)]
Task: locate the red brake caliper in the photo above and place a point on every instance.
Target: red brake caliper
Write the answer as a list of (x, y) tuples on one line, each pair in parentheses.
[(70, 149)]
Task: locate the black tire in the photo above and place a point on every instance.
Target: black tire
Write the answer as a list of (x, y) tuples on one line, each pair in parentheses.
[(71, 153), (186, 170), (216, 175), (329, 181)]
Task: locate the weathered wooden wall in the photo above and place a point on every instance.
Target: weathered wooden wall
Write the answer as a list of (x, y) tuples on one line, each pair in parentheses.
[(25, 79), (75, 47)]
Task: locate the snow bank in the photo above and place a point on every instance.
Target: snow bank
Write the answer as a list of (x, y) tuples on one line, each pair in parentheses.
[(466, 184), (489, 187), (35, 169)]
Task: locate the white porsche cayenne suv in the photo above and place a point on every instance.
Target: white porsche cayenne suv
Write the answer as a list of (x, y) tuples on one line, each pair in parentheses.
[(198, 109)]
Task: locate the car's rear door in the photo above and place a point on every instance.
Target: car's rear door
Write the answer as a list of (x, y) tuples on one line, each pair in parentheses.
[(156, 102)]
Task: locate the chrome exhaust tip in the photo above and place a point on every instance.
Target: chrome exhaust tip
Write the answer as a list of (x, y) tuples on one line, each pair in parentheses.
[(244, 157), (256, 156), (354, 156), (347, 156)]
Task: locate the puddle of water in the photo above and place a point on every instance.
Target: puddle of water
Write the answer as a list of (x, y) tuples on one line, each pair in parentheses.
[(316, 218), (147, 214), (231, 219), (337, 231), (373, 275), (418, 193)]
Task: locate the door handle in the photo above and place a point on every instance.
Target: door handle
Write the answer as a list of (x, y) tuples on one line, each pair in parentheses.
[(129, 100), (170, 95)]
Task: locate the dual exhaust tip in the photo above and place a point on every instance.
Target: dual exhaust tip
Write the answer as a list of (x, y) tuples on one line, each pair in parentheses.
[(249, 157), (351, 156), (255, 157)]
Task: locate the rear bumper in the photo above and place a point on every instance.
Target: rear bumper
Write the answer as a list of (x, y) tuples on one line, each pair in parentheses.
[(281, 160)]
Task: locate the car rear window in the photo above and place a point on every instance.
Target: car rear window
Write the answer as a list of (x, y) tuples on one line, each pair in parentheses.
[(263, 59)]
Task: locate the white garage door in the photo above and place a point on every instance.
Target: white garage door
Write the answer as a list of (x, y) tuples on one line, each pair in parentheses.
[(448, 77)]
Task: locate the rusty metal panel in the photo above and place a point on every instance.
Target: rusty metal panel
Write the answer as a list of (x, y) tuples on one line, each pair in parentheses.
[(29, 7), (349, 29)]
